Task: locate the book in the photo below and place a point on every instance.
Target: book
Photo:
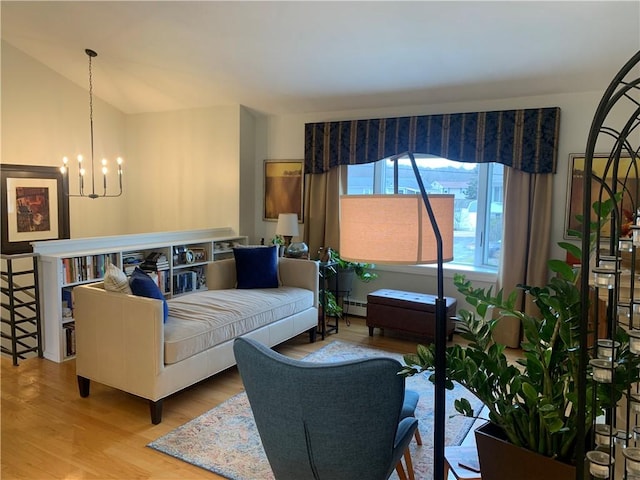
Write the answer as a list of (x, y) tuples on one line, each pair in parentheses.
[(154, 262), (67, 303)]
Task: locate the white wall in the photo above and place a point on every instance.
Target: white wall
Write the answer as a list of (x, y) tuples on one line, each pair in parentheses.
[(46, 117), (187, 173), (252, 151), (181, 171)]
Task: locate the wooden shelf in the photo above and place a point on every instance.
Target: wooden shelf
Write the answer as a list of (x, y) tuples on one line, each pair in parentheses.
[(65, 264)]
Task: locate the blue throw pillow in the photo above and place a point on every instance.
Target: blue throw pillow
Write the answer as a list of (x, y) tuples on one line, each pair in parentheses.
[(143, 285), (256, 267)]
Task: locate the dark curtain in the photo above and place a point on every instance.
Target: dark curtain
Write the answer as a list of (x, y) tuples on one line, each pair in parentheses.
[(526, 140)]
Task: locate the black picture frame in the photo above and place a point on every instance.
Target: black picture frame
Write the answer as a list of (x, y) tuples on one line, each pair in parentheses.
[(34, 206)]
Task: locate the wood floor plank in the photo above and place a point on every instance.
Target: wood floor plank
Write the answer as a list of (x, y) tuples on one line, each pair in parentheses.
[(49, 432)]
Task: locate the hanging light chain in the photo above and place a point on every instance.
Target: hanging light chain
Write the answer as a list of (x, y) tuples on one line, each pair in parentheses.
[(91, 54)]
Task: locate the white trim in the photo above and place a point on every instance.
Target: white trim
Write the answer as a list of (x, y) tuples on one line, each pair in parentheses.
[(470, 272), (76, 246)]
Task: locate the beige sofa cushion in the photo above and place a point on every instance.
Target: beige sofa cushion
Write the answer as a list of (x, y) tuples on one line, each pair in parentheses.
[(115, 280), (202, 320)]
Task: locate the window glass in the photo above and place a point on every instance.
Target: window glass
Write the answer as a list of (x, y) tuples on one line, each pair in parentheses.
[(478, 193)]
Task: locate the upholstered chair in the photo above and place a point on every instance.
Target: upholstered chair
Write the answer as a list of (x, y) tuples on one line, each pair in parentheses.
[(326, 421), (411, 398)]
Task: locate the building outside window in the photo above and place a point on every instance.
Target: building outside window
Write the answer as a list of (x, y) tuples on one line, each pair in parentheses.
[(478, 193)]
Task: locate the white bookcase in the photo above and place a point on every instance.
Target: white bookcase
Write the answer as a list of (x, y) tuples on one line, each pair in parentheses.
[(64, 264)]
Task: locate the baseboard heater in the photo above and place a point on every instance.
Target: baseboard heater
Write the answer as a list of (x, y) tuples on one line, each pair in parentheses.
[(356, 307)]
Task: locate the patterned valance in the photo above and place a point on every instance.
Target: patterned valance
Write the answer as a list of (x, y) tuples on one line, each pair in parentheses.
[(523, 139)]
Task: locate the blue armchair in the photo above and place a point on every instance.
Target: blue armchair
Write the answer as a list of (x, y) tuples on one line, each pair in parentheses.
[(328, 421)]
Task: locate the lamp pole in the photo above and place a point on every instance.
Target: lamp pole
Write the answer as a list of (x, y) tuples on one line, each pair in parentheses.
[(441, 333)]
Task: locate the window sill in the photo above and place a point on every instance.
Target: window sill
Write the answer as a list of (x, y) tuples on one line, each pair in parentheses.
[(450, 269)]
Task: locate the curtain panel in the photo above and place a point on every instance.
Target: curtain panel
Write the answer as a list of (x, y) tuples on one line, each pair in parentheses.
[(526, 140)]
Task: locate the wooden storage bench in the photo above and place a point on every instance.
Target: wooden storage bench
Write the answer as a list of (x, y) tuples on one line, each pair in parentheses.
[(407, 312)]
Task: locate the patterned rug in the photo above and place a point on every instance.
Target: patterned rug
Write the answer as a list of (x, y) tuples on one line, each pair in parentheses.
[(225, 440)]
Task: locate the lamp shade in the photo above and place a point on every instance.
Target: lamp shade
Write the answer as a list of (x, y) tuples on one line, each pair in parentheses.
[(287, 225), (394, 229)]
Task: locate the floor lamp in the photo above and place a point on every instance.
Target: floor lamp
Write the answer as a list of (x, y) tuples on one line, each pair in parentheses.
[(406, 230)]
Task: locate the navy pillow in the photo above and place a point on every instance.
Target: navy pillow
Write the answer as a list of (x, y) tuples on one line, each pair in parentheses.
[(256, 267), (143, 285)]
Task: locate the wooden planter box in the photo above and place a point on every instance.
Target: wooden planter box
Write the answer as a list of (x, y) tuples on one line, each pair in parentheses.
[(501, 460)]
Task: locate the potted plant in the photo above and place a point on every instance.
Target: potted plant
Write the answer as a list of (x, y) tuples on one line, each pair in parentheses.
[(532, 405), (340, 280), (347, 271), (278, 240)]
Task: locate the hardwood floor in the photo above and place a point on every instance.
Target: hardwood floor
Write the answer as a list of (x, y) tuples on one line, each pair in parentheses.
[(48, 431)]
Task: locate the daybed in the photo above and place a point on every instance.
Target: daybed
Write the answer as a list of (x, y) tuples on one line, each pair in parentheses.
[(122, 342)]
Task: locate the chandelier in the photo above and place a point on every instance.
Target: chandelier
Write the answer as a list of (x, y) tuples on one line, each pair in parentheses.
[(81, 169)]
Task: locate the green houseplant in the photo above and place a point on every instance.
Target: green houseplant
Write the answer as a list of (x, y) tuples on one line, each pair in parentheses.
[(534, 402), (343, 273), (360, 270)]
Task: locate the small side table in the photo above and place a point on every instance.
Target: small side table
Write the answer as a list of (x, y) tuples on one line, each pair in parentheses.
[(452, 458)]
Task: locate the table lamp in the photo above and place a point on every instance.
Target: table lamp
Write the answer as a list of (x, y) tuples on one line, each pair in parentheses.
[(287, 227)]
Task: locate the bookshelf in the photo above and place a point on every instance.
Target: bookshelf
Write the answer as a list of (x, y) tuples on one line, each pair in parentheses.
[(178, 261)]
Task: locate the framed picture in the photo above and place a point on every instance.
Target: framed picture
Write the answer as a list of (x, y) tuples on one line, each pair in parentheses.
[(34, 206), (576, 185), (283, 188)]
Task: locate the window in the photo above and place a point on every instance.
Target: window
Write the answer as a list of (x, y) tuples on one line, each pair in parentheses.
[(478, 192)]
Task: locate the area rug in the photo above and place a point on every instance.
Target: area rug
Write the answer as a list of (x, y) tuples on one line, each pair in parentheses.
[(225, 440)]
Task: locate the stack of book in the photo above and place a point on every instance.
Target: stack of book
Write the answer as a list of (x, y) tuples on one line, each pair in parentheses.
[(155, 262), (131, 260)]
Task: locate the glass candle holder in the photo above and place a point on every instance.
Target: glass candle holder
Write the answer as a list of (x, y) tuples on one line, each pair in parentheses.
[(636, 433), (604, 278), (607, 348), (635, 235), (625, 244), (602, 370), (609, 262), (622, 438), (624, 313), (632, 457), (634, 341), (599, 463), (603, 434)]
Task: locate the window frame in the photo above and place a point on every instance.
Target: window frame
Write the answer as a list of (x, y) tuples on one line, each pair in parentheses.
[(483, 217)]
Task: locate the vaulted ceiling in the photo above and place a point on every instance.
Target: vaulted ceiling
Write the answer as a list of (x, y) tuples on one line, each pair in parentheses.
[(304, 56)]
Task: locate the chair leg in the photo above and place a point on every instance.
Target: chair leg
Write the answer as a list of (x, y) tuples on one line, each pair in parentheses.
[(418, 437), (400, 471), (409, 463)]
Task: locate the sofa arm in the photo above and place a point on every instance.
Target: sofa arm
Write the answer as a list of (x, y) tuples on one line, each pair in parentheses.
[(300, 273), (119, 339)]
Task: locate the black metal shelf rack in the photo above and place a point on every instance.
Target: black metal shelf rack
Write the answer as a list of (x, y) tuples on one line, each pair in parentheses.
[(21, 331)]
